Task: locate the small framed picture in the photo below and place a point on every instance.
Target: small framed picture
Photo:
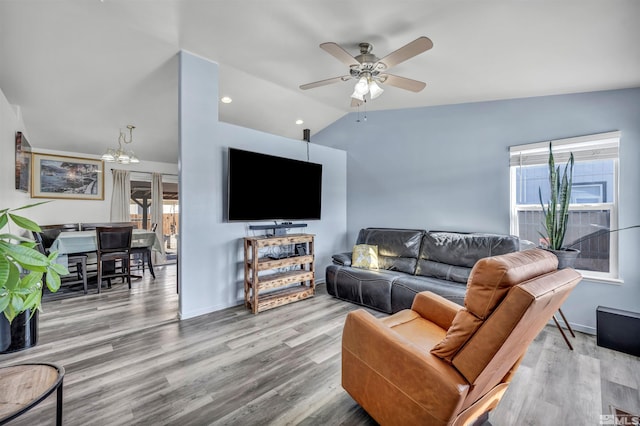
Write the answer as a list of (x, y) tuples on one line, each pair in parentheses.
[(57, 176)]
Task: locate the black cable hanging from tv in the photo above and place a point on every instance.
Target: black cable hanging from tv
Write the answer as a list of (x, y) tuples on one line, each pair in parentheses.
[(306, 136)]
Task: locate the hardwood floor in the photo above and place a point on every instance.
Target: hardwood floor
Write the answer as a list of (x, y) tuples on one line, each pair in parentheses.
[(128, 361)]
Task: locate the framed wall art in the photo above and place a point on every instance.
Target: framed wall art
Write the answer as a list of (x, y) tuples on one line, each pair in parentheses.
[(23, 163), (75, 178)]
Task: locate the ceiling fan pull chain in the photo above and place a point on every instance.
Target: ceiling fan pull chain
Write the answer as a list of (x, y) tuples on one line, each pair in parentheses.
[(365, 110)]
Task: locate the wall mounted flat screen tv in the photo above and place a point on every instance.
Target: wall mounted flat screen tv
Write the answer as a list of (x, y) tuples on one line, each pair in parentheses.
[(266, 187)]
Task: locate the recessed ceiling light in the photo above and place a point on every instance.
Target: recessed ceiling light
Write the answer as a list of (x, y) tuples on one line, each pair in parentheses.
[(226, 100), (299, 121)]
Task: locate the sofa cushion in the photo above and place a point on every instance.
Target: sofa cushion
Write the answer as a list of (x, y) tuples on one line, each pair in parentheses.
[(398, 249), (365, 287), (406, 287), (364, 256), (490, 281), (429, 268), (462, 249), (342, 258), (463, 326), (451, 255)]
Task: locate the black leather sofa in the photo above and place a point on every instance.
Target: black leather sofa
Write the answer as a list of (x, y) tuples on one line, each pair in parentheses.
[(411, 261)]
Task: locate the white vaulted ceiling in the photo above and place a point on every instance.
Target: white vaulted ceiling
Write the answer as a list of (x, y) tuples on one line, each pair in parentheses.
[(82, 69)]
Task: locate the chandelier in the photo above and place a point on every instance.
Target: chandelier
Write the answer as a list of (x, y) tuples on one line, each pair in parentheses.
[(120, 155)]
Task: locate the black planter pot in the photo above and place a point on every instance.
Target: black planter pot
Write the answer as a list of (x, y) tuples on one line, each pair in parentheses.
[(5, 333), (566, 257), (21, 334)]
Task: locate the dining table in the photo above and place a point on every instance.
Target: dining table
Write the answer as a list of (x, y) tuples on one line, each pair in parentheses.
[(86, 242)]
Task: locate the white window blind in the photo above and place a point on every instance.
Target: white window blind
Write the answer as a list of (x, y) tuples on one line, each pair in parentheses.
[(591, 147)]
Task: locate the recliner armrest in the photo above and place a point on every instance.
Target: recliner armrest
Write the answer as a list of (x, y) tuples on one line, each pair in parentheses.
[(371, 348), (343, 259), (435, 308)]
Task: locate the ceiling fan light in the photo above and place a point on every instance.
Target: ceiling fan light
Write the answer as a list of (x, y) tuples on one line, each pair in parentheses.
[(362, 86), (375, 90), (358, 96)]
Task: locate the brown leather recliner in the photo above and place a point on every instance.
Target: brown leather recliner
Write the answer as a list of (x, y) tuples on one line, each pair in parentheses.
[(441, 364)]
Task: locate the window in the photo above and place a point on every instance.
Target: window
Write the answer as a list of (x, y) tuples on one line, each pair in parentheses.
[(593, 211)]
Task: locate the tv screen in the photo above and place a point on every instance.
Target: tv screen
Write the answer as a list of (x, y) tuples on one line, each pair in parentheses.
[(266, 187)]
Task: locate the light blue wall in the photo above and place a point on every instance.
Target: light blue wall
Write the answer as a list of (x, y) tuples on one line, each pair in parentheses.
[(211, 268), (446, 167)]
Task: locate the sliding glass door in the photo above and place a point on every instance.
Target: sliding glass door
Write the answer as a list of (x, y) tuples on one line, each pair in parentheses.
[(141, 213)]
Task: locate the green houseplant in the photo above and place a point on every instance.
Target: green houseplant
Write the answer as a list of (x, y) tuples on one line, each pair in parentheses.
[(556, 210), (22, 270)]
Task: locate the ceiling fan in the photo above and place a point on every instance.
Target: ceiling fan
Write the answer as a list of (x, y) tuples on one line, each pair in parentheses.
[(370, 71)]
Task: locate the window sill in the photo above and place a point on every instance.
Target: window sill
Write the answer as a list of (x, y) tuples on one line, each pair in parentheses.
[(601, 280)]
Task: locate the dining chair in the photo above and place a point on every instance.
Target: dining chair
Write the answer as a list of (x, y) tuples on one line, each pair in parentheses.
[(78, 260), (144, 253), (114, 244), (49, 233)]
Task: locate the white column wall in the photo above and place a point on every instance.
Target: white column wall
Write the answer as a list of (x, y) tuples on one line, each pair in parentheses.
[(210, 264)]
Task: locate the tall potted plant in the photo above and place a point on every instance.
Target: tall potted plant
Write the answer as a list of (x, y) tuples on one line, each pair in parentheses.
[(556, 211), (22, 271)]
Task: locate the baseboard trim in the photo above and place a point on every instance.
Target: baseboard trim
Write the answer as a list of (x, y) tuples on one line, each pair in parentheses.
[(202, 311), (576, 327), (584, 328)]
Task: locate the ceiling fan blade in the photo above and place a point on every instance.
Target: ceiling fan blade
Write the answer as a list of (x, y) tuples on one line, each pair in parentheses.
[(402, 82), (339, 53), (325, 82), (408, 51)]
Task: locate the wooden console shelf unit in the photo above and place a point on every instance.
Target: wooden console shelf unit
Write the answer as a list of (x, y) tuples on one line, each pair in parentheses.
[(266, 286)]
